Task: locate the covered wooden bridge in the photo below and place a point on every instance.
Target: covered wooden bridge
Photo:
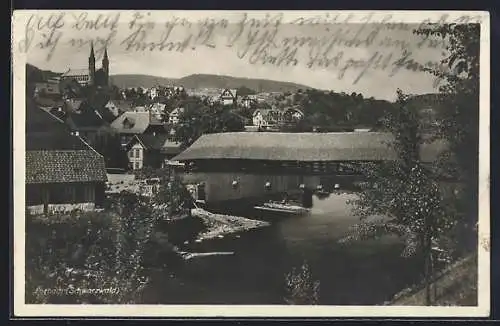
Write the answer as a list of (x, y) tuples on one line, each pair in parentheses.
[(244, 164)]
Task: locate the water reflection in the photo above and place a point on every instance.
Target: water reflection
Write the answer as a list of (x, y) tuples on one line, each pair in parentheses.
[(364, 273)]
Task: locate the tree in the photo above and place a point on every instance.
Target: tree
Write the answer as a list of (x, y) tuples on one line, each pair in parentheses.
[(243, 90), (405, 191), (459, 118), (199, 119)]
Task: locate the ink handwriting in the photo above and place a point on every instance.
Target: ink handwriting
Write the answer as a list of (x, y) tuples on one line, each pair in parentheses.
[(316, 42)]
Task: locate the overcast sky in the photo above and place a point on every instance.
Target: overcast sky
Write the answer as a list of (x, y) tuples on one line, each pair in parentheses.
[(216, 56)]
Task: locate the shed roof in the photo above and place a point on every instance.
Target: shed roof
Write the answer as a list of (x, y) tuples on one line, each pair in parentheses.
[(342, 146)]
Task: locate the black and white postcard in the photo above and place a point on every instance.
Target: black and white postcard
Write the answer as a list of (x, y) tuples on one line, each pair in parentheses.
[(260, 164)]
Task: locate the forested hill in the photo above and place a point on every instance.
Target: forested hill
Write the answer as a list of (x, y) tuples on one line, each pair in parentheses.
[(207, 81), (36, 75)]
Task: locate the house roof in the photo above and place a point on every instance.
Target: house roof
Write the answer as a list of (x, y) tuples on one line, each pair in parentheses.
[(75, 72), (131, 122), (63, 166), (346, 146), (85, 119), (171, 147), (39, 120), (265, 112), (48, 102), (74, 104), (229, 92), (53, 140), (148, 141), (177, 111)]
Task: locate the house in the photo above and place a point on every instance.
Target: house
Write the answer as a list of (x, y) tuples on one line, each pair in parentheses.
[(157, 110), (133, 123), (264, 118), (151, 150), (292, 114), (63, 172), (153, 93), (228, 96), (175, 115), (47, 89), (49, 103), (248, 100), (89, 123)]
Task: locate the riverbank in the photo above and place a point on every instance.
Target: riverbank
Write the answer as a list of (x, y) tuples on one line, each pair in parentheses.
[(220, 225), (455, 286)]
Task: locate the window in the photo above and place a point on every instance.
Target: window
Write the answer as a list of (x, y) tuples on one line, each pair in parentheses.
[(137, 153), (136, 166)]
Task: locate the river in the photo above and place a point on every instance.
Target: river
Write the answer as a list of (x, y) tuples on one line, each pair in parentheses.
[(364, 273)]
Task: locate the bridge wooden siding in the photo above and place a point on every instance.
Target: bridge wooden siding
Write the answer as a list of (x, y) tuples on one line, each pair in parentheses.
[(235, 166)]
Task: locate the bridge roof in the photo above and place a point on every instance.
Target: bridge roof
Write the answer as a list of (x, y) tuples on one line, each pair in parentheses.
[(306, 147)]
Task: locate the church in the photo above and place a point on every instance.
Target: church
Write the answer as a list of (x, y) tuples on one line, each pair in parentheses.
[(90, 76)]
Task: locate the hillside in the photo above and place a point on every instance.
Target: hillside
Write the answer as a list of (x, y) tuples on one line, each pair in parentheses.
[(206, 81), (35, 75), (146, 81)]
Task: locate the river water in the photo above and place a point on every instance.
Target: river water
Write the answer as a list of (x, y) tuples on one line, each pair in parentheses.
[(364, 273)]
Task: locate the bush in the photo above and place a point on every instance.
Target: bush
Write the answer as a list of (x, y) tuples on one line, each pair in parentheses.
[(301, 287), (102, 252)]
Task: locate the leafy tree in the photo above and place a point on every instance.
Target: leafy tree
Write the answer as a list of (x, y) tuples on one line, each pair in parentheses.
[(459, 117), (243, 90), (405, 192), (199, 119)]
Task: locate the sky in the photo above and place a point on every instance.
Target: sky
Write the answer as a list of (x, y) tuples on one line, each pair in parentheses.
[(362, 53)]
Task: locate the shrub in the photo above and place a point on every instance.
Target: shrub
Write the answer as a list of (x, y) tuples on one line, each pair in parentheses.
[(81, 251), (300, 287)]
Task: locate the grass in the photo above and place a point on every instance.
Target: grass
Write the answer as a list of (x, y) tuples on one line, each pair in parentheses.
[(455, 286)]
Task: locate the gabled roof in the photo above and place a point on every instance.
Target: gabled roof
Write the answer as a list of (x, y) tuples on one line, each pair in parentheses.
[(342, 146), (229, 93), (131, 122), (148, 141), (177, 111), (64, 166)]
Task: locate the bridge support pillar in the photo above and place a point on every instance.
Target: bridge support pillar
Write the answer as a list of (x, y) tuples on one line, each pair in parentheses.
[(307, 198)]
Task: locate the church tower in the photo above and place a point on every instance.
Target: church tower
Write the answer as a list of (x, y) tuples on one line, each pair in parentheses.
[(105, 66), (92, 65)]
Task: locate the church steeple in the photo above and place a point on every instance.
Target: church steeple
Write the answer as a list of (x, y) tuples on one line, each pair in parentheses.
[(92, 64), (105, 65)]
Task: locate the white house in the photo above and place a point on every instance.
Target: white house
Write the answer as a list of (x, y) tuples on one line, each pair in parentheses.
[(228, 96), (153, 93), (248, 100), (263, 118), (174, 116)]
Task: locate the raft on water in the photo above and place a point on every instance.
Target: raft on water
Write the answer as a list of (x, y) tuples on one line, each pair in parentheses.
[(283, 208)]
